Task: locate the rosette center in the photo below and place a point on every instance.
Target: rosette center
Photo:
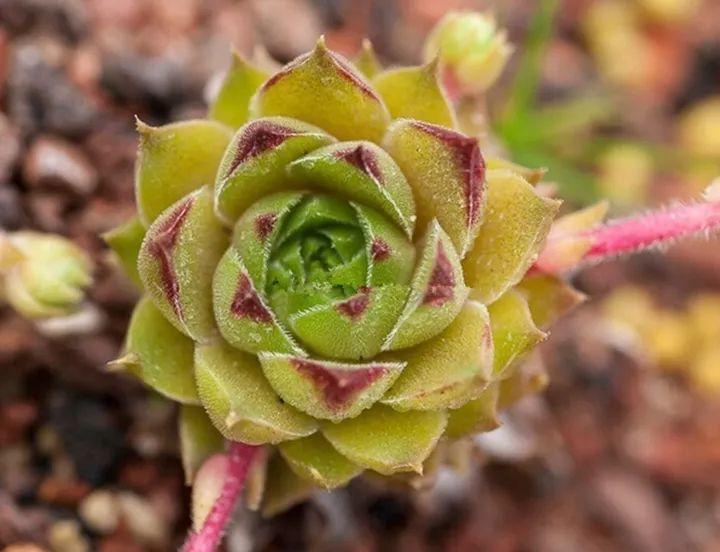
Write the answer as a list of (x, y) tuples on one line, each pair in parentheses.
[(318, 256)]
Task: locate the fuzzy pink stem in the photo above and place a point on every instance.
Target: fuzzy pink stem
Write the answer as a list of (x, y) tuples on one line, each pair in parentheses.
[(240, 457), (618, 237), (653, 229)]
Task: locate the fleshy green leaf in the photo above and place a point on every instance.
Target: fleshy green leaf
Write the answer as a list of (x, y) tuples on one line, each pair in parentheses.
[(476, 416), (240, 401), (325, 389), (324, 89), (284, 488), (437, 292), (314, 459), (516, 223), (198, 439), (514, 332), (232, 104), (366, 60), (257, 229), (352, 328), (391, 255), (207, 487), (416, 93), (255, 163), (242, 316), (446, 171), (125, 241), (177, 260), (363, 172), (159, 355), (387, 441), (530, 378), (174, 160), (533, 176), (548, 297), (448, 370)]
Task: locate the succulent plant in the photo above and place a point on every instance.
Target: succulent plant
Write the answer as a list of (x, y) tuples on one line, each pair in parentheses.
[(332, 269), (42, 275), (473, 50)]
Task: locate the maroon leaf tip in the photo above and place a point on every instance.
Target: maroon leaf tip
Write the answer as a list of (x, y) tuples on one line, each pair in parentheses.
[(379, 250), (470, 162), (441, 287), (161, 246), (257, 138), (337, 386), (344, 69), (363, 159), (247, 303), (265, 224), (354, 307)]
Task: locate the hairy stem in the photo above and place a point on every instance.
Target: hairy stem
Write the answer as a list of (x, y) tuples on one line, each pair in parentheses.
[(653, 229), (207, 539)]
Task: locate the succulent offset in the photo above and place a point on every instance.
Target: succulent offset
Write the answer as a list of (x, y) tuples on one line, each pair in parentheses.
[(332, 268), (42, 275)]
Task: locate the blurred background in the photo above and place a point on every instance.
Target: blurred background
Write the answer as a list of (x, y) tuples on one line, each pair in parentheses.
[(619, 98)]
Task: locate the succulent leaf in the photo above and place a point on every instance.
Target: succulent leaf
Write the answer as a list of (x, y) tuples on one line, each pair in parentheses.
[(174, 160), (366, 60), (437, 292), (516, 223), (231, 106), (324, 89), (255, 163), (448, 370), (513, 329), (243, 317), (257, 229), (416, 93), (446, 172), (391, 256), (198, 439), (240, 401), (352, 328), (326, 389), (314, 459), (284, 488), (207, 487), (177, 260), (387, 441), (125, 241), (159, 355), (476, 416), (548, 297), (363, 172), (533, 176)]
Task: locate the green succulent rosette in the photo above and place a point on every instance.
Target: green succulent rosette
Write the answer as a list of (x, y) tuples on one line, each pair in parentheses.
[(330, 268), (42, 275)]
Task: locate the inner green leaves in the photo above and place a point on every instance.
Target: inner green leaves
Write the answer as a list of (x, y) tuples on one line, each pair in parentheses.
[(314, 268)]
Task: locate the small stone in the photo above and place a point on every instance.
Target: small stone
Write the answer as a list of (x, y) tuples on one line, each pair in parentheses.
[(59, 491), (23, 547), (66, 536), (41, 96), (142, 519), (47, 210), (55, 163), (11, 212), (9, 148), (64, 18), (100, 512)]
